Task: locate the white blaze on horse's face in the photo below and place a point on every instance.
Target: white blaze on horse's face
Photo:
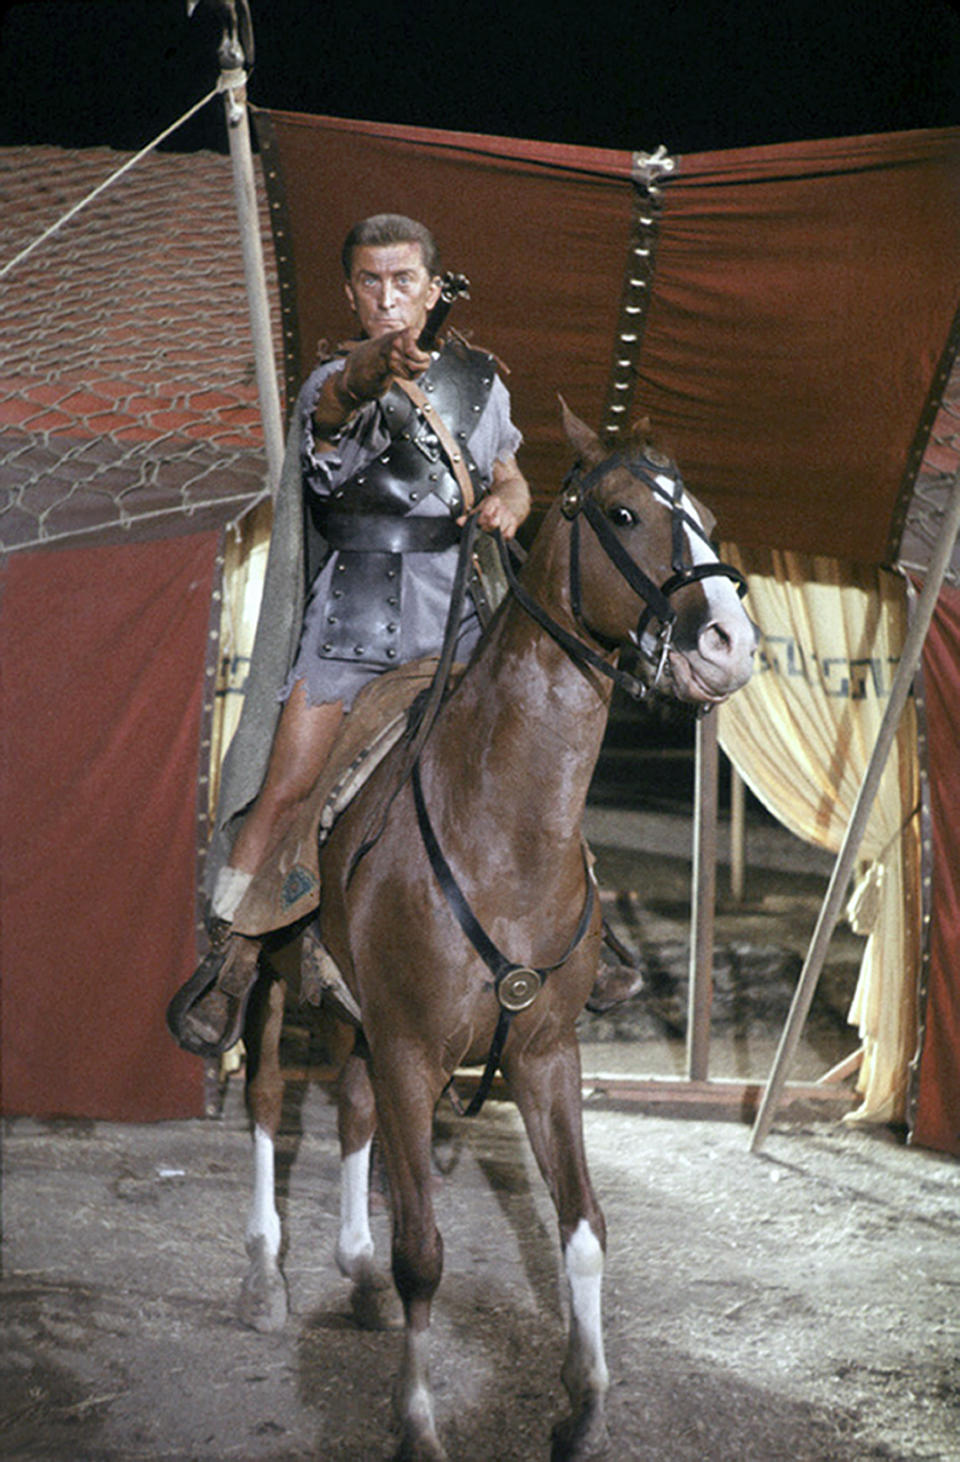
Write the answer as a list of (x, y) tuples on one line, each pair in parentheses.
[(721, 659)]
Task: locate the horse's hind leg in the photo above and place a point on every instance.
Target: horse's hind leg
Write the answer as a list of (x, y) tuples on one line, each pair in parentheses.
[(547, 1091), (371, 1298), (263, 1296)]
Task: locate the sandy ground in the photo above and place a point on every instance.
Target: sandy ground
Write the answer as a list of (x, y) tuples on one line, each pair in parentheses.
[(800, 1304)]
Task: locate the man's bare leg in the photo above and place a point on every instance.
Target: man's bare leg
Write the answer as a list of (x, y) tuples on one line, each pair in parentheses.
[(207, 1015), (303, 742)]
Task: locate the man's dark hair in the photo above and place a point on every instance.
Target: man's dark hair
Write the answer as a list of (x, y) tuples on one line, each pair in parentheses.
[(390, 228)]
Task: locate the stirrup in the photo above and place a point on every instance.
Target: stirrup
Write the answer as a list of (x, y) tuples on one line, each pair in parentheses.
[(213, 1032)]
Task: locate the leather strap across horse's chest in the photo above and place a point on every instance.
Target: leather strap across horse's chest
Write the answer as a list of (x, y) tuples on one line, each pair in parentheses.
[(516, 985)]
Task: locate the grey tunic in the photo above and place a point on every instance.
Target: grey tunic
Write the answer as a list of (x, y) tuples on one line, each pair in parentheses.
[(283, 637)]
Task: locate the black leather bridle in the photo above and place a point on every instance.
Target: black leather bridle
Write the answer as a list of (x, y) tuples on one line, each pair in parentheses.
[(578, 503)]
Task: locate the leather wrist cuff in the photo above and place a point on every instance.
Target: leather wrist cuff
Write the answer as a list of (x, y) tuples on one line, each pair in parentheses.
[(347, 398)]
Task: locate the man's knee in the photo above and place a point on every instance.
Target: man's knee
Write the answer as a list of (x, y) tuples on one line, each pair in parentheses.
[(279, 800)]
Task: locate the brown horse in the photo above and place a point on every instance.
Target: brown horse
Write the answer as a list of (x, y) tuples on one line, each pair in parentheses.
[(494, 932)]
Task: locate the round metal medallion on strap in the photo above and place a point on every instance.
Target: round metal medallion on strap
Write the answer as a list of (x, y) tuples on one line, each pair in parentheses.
[(519, 987)]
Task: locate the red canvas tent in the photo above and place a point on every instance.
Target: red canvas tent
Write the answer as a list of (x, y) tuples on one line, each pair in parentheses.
[(129, 434), (802, 300), (786, 315)]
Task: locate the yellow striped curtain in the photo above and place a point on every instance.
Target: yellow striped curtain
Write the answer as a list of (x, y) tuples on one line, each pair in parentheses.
[(245, 562), (800, 735)]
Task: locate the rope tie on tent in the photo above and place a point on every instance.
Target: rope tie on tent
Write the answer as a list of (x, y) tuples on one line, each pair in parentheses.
[(131, 162)]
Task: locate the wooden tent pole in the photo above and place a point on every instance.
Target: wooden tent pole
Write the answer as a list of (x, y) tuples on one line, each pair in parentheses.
[(703, 900), (738, 835), (233, 84), (836, 890)]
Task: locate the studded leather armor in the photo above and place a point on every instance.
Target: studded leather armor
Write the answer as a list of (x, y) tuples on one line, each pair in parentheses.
[(371, 520)]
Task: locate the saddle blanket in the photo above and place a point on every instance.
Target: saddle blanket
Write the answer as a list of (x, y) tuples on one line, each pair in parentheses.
[(287, 887)]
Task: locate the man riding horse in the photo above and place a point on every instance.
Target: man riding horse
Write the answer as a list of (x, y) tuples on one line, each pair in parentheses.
[(391, 445)]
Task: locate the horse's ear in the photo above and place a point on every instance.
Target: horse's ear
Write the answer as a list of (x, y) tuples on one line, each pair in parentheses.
[(584, 442)]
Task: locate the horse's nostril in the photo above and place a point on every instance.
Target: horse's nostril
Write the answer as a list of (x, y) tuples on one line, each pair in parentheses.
[(716, 640)]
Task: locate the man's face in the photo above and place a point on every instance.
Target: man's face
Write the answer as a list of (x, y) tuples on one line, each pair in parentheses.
[(390, 289)]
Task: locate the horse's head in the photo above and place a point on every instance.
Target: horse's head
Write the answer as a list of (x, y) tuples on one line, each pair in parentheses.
[(644, 572)]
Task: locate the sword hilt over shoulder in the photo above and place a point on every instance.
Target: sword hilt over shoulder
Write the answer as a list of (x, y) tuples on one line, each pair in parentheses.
[(452, 287)]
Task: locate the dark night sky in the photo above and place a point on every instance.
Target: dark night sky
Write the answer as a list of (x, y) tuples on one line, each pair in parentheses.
[(694, 74)]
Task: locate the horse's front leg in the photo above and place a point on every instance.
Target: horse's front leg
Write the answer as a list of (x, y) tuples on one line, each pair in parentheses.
[(546, 1089), (372, 1298), (406, 1096), (263, 1296)]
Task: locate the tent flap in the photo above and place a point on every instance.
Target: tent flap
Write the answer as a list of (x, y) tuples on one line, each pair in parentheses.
[(103, 652), (801, 307)]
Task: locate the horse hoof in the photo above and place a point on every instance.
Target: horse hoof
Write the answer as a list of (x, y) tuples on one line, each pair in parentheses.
[(614, 984), (263, 1294), (581, 1437), (375, 1304), (420, 1449)]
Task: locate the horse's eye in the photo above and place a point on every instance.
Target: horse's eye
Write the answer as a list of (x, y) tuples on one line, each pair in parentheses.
[(622, 516)]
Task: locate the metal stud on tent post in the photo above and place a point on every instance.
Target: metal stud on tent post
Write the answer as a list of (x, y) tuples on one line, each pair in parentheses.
[(648, 169)]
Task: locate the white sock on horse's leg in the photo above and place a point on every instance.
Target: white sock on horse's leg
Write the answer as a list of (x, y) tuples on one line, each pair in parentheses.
[(264, 1220), (585, 1369), (228, 891), (354, 1240), (415, 1398)]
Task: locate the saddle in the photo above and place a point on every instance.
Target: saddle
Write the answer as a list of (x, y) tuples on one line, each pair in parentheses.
[(287, 887)]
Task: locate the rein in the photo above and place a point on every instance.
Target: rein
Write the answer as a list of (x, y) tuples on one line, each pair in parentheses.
[(578, 651), (516, 986)]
